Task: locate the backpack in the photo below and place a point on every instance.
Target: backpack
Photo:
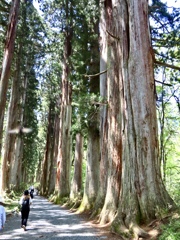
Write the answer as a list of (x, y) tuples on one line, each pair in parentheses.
[(31, 193), (25, 204)]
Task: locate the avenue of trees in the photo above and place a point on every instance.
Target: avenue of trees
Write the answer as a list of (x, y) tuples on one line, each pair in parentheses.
[(98, 83)]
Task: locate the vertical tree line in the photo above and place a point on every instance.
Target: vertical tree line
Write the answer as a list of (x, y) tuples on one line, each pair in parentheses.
[(19, 152), (83, 78)]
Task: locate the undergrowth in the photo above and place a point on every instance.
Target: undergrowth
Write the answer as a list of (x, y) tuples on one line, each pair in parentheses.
[(171, 231)]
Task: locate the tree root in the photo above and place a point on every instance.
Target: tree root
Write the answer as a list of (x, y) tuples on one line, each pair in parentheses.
[(138, 232), (121, 230), (107, 215), (133, 231)]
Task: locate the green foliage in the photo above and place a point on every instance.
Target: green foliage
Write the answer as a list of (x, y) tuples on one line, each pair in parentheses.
[(171, 231), (4, 9), (165, 32), (29, 48), (164, 23), (169, 130), (43, 37), (58, 199), (85, 109), (30, 154), (82, 21), (12, 202)]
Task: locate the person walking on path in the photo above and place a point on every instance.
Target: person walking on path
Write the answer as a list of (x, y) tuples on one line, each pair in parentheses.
[(2, 214), (31, 192), (25, 202), (51, 222)]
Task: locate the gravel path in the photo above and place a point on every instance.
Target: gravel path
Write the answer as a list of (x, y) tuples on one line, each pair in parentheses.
[(50, 221)]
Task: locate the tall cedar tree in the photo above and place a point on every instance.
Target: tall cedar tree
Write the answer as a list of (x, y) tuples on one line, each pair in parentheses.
[(135, 190), (7, 59), (64, 147)]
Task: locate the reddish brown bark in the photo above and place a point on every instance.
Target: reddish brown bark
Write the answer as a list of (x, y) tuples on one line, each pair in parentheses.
[(135, 189), (48, 159), (7, 59), (12, 122), (76, 185), (64, 147)]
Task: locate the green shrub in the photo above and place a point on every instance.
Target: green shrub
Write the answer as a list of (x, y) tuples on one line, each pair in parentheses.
[(171, 231)]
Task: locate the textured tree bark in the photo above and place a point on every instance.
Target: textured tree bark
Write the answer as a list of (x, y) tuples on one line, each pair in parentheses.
[(7, 59), (10, 139), (114, 138), (53, 167), (76, 185), (135, 188), (15, 176), (64, 153), (91, 188), (92, 170), (10, 158), (103, 173), (47, 161), (64, 148)]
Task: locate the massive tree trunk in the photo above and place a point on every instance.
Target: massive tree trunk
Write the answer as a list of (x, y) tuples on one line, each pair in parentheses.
[(15, 173), (103, 115), (64, 148), (53, 167), (92, 170), (7, 59), (10, 139), (135, 170), (114, 140), (76, 185), (49, 149), (93, 139), (10, 159)]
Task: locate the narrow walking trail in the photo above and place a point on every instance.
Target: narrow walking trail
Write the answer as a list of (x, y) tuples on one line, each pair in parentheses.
[(50, 221)]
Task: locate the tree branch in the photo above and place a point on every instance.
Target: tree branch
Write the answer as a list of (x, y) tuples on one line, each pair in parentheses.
[(167, 84), (99, 103), (95, 75), (166, 65), (112, 35)]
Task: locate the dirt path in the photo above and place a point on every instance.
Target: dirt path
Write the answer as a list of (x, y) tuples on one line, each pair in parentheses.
[(50, 221)]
